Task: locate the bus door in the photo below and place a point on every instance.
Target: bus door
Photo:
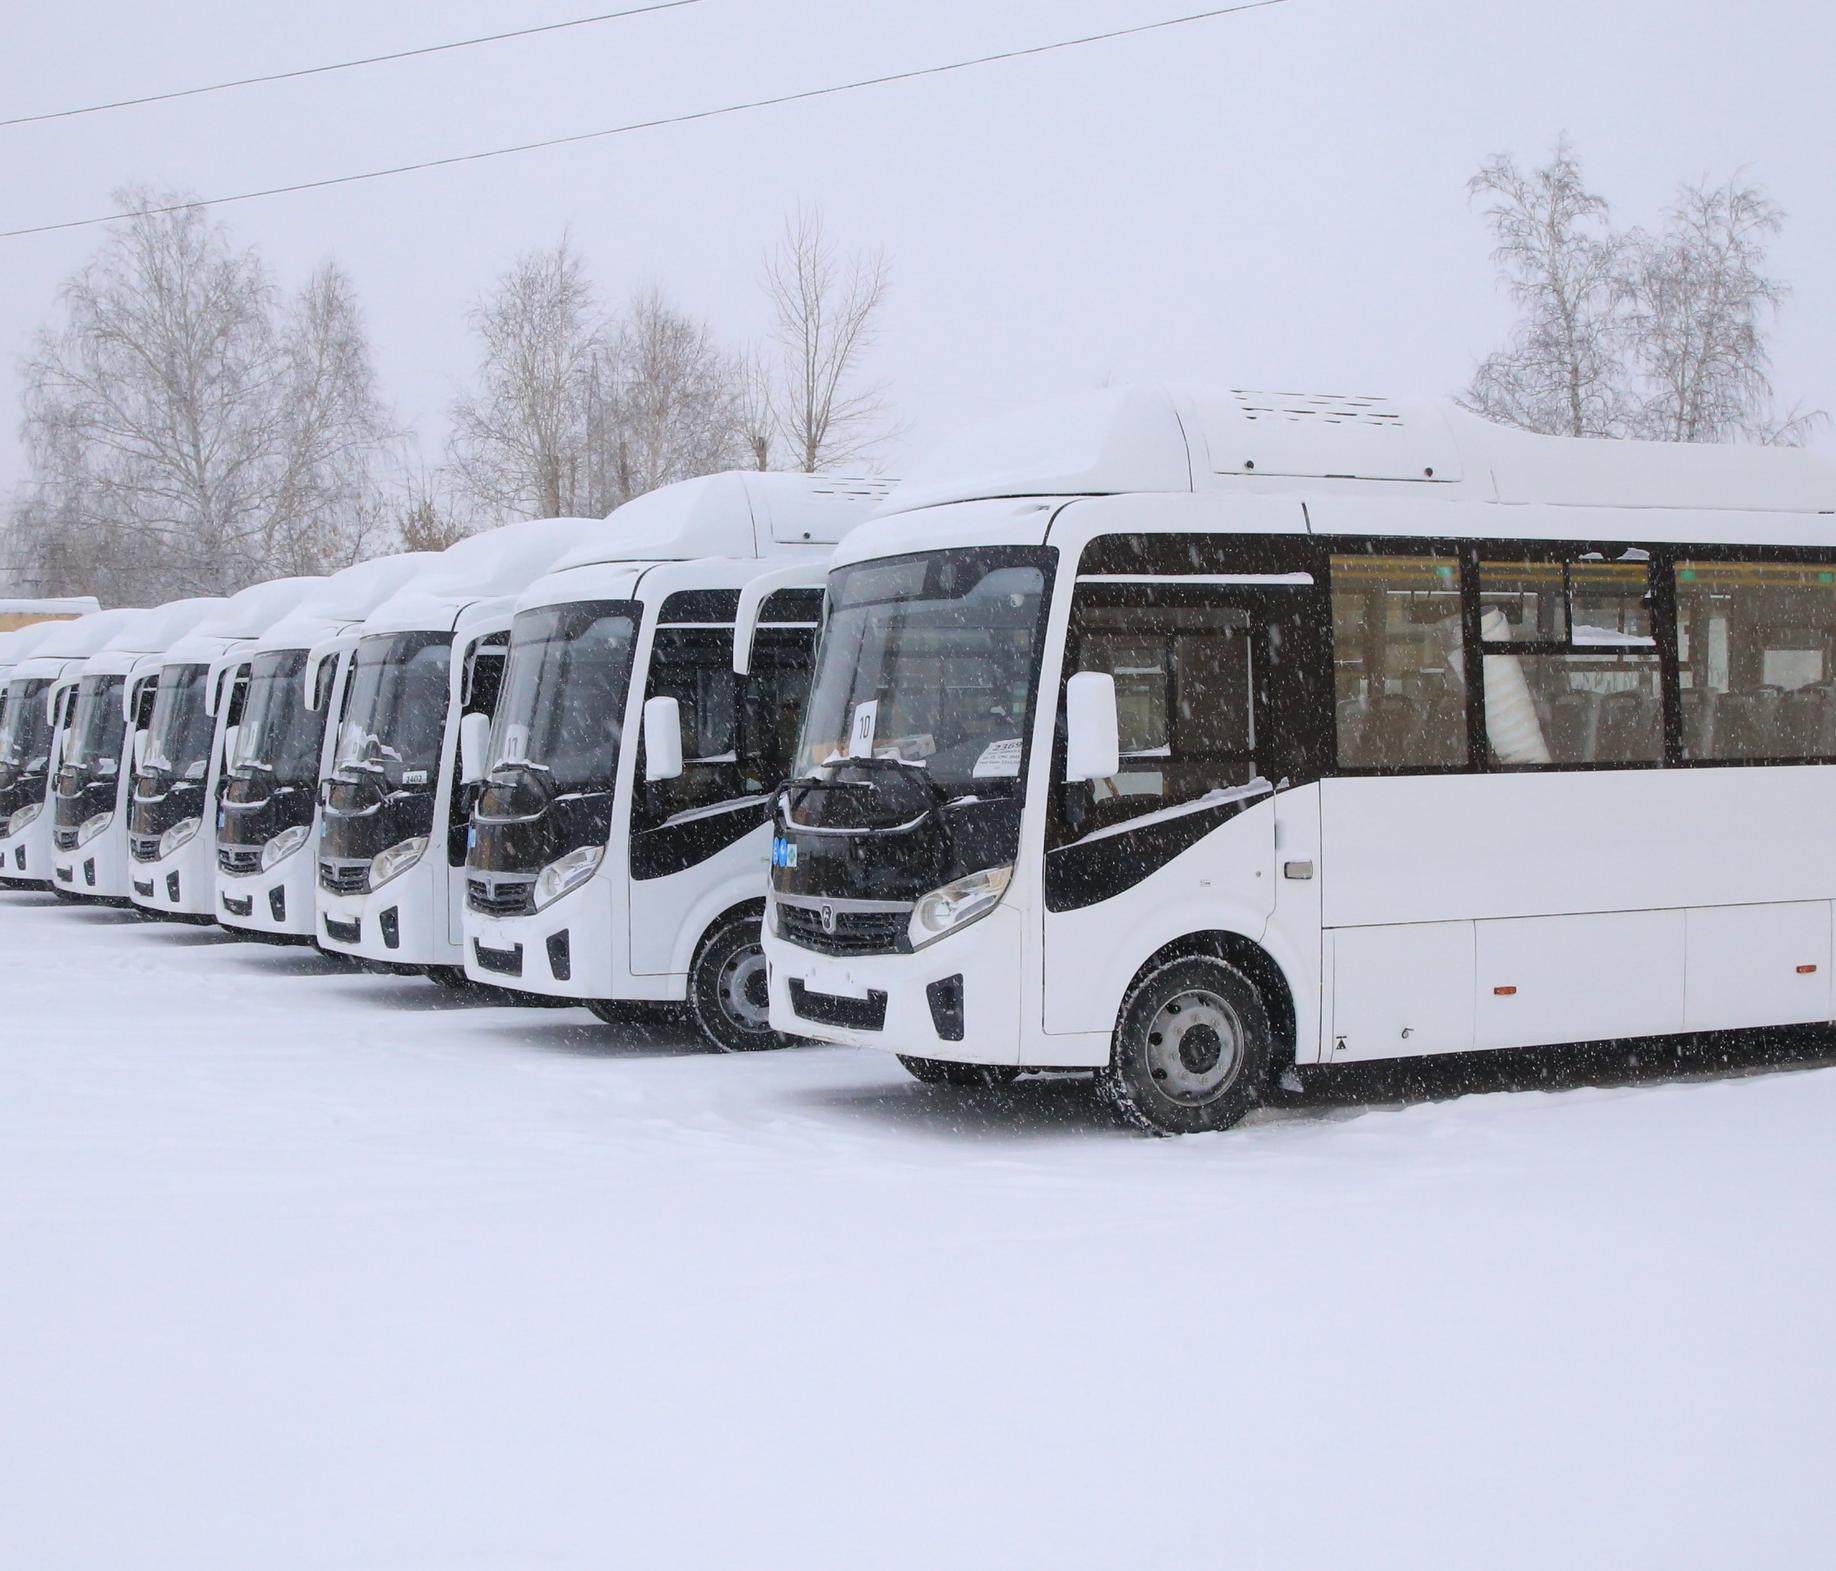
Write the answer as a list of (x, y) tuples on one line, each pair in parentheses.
[(1212, 678)]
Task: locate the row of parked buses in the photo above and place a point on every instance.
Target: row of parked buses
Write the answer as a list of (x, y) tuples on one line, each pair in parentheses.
[(1184, 738)]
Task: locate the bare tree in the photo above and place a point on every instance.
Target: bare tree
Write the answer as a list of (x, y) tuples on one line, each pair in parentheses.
[(756, 407), (663, 406), (1701, 304), (1564, 371), (825, 315), (519, 441), (186, 431)]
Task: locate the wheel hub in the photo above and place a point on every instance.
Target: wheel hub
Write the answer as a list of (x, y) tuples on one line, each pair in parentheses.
[(1194, 1047), (744, 996)]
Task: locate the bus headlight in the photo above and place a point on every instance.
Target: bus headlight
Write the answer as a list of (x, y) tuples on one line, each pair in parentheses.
[(178, 835), (24, 816), (956, 905), (91, 827), (566, 874), (396, 860), (284, 845), (772, 925)]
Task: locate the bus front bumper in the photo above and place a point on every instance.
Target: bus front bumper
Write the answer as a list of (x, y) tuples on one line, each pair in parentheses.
[(957, 999), (275, 904), (565, 950)]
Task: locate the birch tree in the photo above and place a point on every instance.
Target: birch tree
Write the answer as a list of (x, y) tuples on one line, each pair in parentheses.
[(186, 429), (519, 440), (825, 315), (1563, 373), (1701, 306), (664, 403)]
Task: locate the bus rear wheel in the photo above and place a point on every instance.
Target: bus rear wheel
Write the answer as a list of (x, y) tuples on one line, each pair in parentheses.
[(1192, 1049), (727, 986), (940, 1072)]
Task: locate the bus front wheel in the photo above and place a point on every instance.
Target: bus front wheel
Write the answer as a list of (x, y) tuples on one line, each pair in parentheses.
[(727, 991), (1192, 1049)]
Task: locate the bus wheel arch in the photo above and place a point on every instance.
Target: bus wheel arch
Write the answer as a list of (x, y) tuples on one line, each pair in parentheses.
[(726, 982), (1204, 1030)]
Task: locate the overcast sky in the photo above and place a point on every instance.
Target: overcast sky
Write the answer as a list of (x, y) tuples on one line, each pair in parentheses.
[(1273, 199)]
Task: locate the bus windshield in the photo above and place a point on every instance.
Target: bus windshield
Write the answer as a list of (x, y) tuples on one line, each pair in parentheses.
[(932, 660), (25, 736), (98, 729), (395, 716), (280, 737), (180, 735), (563, 703)]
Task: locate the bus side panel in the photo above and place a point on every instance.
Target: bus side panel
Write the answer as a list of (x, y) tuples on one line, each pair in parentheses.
[(1758, 965), (1579, 978), (1436, 848), (1224, 883), (1399, 992)]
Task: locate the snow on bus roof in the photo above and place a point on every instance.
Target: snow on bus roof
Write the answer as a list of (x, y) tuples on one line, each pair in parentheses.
[(1152, 438), (739, 513), (491, 565)]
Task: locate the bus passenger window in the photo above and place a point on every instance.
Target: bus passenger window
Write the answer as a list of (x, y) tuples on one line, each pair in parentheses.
[(1399, 692), (1571, 668), (1754, 653), (1185, 670)]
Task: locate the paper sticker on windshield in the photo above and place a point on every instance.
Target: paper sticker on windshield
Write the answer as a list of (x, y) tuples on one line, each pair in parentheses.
[(998, 758), (860, 730), (414, 777)]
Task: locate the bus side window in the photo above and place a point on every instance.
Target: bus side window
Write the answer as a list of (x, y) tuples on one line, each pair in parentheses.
[(1398, 674), (1571, 667), (1186, 670), (1754, 651)]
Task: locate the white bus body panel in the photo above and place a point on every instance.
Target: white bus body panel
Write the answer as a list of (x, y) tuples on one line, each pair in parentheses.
[(629, 938), (56, 655)]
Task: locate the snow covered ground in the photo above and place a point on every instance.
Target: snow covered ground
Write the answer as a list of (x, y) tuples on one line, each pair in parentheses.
[(307, 1268)]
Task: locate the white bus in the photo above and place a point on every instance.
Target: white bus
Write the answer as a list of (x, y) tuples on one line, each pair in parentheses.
[(392, 820), (114, 705), (40, 690), (179, 775), (267, 817), (618, 863), (1184, 736)]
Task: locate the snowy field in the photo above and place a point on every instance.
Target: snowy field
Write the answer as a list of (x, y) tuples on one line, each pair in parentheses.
[(308, 1268)]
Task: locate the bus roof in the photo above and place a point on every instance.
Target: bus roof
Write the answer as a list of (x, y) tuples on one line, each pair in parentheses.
[(1151, 438)]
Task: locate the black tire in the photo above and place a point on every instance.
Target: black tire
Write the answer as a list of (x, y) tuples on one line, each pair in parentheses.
[(941, 1072), (726, 985), (1192, 1049)]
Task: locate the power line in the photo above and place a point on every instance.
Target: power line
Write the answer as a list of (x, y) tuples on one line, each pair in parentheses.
[(346, 65), (657, 124)]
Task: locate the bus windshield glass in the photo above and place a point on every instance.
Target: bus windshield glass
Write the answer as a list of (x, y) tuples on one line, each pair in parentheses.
[(563, 703), (97, 731), (280, 737), (932, 660), (395, 716), (25, 737), (182, 729)]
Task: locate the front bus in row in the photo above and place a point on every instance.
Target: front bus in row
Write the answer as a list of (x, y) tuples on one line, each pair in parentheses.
[(1185, 737)]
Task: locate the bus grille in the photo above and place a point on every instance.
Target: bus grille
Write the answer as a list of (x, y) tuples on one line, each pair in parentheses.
[(239, 861), (344, 878), (500, 896), (855, 932), (144, 848)]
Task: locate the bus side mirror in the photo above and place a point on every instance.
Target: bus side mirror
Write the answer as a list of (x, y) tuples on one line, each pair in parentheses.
[(662, 739), (474, 742), (140, 750), (1093, 729), (231, 737)]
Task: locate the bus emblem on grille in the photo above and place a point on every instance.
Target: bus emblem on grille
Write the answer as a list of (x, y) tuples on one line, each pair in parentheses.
[(828, 919)]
